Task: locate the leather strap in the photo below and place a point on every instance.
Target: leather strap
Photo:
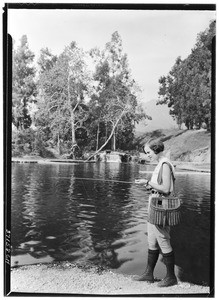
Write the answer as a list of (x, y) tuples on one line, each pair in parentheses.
[(159, 177)]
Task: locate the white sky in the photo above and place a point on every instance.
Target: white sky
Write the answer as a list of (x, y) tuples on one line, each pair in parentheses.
[(152, 39)]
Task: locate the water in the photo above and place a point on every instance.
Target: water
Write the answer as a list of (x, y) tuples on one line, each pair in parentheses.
[(58, 216)]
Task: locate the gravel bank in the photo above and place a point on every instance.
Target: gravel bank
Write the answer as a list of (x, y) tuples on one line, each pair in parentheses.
[(67, 278)]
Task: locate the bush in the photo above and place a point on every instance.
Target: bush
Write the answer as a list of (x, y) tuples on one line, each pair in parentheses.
[(29, 142), (22, 142)]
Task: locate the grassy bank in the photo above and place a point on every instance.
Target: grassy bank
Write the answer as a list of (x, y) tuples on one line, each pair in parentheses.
[(183, 145)]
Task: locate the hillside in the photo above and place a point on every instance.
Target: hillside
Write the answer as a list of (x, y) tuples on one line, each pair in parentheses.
[(160, 118), (183, 145)]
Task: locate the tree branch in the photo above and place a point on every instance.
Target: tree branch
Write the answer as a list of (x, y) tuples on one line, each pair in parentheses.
[(52, 107), (76, 106), (111, 134)]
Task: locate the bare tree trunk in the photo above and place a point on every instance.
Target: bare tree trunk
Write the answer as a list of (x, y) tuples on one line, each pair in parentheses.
[(58, 144), (73, 133), (72, 112), (59, 148), (110, 136), (114, 141), (106, 132), (98, 132)]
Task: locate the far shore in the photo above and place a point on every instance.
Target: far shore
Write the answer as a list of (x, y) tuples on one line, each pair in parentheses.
[(182, 165)]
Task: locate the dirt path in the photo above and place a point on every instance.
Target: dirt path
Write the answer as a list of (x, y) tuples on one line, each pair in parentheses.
[(69, 279)]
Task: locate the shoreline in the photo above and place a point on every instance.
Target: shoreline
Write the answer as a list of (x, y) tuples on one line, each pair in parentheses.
[(69, 278), (181, 165)]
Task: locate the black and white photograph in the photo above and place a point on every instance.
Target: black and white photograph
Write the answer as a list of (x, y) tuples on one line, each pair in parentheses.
[(109, 149)]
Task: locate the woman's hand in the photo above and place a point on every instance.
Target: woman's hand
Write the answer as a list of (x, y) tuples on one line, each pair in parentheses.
[(141, 181)]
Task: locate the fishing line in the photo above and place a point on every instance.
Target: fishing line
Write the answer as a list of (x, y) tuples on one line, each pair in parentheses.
[(184, 172), (119, 181), (94, 179)]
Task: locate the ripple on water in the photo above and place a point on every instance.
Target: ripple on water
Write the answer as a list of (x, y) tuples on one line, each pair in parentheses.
[(107, 221), (50, 237)]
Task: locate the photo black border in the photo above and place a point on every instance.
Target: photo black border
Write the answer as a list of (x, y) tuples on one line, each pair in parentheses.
[(7, 119)]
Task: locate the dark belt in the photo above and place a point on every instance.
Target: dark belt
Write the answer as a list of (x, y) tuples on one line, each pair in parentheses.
[(160, 194)]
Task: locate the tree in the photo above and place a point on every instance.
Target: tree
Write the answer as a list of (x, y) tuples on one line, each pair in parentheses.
[(64, 87), (46, 60), (117, 92), (187, 87), (24, 87)]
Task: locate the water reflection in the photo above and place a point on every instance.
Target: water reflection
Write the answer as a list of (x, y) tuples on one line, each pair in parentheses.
[(103, 219), (58, 216), (191, 239)]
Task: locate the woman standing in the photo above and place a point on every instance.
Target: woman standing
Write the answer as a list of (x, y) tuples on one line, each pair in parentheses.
[(159, 236)]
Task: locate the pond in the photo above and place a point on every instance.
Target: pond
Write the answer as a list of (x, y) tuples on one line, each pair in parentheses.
[(94, 213)]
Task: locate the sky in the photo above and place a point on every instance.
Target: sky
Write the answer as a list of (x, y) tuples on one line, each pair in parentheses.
[(152, 39)]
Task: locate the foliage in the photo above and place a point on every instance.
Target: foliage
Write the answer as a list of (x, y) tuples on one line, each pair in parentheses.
[(22, 142), (29, 142), (88, 101), (187, 87), (63, 86), (24, 87), (46, 60), (115, 100), (84, 99)]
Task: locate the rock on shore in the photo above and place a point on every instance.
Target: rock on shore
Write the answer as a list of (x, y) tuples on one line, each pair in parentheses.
[(66, 278)]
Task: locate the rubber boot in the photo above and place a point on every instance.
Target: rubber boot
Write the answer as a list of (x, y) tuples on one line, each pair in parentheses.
[(170, 278), (148, 273)]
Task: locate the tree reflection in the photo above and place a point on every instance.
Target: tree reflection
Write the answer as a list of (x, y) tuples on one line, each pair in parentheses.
[(108, 203)]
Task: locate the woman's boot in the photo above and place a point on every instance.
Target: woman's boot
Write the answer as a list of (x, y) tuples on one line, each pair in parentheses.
[(170, 278), (148, 273)]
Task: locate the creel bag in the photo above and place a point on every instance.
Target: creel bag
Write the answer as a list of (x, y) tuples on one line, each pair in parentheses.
[(165, 210)]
